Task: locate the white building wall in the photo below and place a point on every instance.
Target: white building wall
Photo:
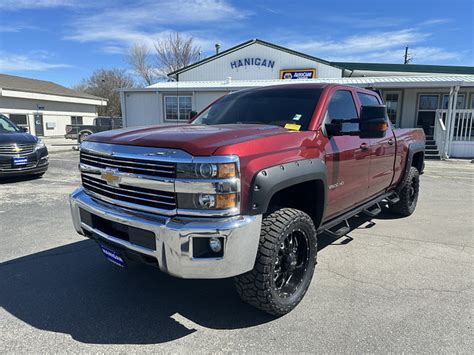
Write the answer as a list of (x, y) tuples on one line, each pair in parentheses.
[(57, 114), (142, 108), (221, 68)]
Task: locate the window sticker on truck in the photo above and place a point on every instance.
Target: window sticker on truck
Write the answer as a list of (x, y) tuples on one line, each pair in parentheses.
[(293, 127), (297, 117)]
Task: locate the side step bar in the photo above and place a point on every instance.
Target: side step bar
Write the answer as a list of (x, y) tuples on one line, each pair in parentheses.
[(393, 198), (373, 210), (389, 196), (341, 231)]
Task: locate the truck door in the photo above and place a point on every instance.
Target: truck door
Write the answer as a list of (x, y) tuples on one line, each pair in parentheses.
[(383, 153), (347, 158)]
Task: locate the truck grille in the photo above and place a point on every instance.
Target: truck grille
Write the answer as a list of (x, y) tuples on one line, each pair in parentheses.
[(130, 194), (126, 165), (17, 148)]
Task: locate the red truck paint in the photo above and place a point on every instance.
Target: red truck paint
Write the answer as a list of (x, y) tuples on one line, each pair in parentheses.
[(363, 173)]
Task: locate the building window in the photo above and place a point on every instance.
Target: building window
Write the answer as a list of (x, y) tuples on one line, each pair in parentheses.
[(76, 120), (178, 108), (19, 120), (392, 101), (459, 103), (427, 106)]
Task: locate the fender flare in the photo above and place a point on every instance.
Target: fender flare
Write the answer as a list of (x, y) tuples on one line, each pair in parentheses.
[(273, 179), (413, 148)]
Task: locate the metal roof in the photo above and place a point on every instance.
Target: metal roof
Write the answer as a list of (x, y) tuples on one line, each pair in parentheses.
[(406, 68), (19, 83), (243, 45), (373, 82)]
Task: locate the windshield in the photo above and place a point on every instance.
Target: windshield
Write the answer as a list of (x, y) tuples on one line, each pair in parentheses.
[(6, 126), (272, 106)]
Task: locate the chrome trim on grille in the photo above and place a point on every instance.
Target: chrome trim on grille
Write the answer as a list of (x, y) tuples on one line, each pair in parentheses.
[(124, 169), (17, 149)]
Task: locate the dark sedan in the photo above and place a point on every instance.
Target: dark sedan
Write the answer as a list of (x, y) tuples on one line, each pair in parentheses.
[(20, 153)]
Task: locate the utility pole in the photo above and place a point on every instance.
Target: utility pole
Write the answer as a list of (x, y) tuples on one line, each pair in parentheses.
[(406, 57)]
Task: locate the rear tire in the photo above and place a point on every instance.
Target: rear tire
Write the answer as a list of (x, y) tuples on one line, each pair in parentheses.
[(408, 193), (285, 263)]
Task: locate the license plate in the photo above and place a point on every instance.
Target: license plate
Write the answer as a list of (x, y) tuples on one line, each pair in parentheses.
[(113, 256), (20, 161)]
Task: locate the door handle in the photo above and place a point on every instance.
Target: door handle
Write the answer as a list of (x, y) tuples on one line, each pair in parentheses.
[(364, 147), (391, 141)]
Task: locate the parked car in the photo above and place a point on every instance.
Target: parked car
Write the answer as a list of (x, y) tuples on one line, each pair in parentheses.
[(20, 152), (245, 189), (100, 124)]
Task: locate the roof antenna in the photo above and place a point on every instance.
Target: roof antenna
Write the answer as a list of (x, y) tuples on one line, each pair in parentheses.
[(218, 46)]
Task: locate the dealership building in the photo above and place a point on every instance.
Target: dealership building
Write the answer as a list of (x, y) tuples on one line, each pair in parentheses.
[(438, 97), (43, 107)]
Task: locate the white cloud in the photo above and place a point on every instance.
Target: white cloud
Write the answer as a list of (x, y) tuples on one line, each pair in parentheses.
[(148, 20), (362, 43), (34, 61), (35, 4)]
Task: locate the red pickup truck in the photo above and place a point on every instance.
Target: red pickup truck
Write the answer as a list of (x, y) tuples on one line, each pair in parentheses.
[(245, 189)]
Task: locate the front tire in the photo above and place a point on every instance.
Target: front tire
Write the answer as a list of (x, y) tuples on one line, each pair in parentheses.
[(285, 263), (82, 137), (408, 193)]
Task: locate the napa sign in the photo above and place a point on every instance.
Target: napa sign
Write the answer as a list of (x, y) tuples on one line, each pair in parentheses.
[(297, 73), (258, 62)]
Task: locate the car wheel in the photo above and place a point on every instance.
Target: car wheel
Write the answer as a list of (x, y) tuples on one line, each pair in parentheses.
[(408, 193), (82, 136), (285, 263)]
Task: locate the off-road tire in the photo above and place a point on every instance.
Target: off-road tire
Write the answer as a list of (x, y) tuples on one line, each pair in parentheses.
[(257, 287), (408, 193)]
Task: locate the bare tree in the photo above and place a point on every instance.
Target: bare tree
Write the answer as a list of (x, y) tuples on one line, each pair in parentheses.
[(137, 57), (104, 83), (175, 52)]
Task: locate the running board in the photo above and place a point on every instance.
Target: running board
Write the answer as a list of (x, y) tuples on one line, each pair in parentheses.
[(393, 198), (341, 231), (334, 222), (373, 210)]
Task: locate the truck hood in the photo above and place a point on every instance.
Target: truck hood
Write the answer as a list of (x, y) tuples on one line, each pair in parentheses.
[(194, 139)]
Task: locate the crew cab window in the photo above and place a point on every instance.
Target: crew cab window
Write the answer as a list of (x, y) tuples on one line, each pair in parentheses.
[(368, 100), (342, 106), (265, 106)]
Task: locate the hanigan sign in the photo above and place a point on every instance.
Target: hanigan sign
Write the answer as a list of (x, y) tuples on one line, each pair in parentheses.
[(297, 73)]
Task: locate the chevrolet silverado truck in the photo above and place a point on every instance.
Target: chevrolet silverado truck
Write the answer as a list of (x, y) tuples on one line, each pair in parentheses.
[(247, 186)]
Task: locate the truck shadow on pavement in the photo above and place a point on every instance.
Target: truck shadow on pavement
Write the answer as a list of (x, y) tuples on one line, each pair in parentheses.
[(73, 290)]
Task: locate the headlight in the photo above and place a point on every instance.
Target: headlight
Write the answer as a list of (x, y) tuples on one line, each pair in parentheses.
[(206, 171), (39, 144), (208, 201)]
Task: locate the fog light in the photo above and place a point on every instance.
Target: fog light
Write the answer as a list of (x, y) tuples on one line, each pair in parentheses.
[(215, 244)]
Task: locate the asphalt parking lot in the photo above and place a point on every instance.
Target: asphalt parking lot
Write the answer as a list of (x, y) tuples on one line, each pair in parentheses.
[(399, 285)]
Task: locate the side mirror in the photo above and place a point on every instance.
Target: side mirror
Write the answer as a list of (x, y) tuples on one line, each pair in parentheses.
[(192, 114), (23, 129), (373, 121)]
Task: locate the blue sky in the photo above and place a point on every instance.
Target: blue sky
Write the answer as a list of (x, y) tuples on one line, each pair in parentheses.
[(66, 40)]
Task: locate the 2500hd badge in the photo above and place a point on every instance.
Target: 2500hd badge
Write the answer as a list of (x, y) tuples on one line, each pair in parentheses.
[(239, 192)]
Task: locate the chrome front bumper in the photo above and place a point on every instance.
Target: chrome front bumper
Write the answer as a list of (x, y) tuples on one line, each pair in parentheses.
[(174, 236)]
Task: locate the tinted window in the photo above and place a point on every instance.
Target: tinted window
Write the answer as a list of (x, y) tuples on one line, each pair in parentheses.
[(76, 120), (6, 126), (342, 106), (272, 106), (19, 119), (368, 100)]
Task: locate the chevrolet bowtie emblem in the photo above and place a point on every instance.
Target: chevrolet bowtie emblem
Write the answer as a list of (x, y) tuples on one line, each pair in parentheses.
[(17, 149), (111, 176)]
